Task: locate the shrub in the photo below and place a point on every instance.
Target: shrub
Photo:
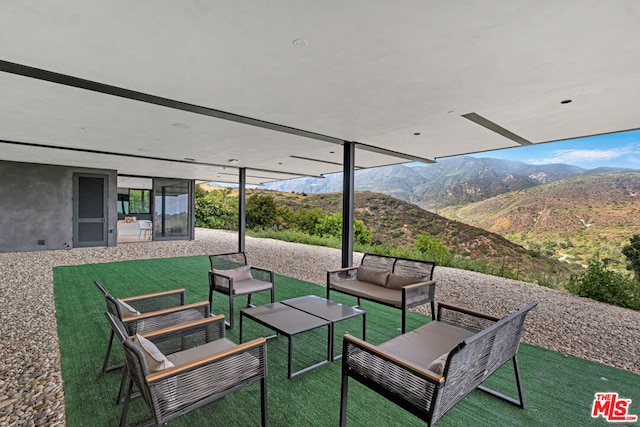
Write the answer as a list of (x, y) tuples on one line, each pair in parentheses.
[(215, 210), (331, 225), (260, 211), (632, 252), (604, 285), (434, 248)]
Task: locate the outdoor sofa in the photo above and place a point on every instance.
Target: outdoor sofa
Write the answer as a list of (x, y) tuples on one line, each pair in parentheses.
[(394, 282), (430, 369)]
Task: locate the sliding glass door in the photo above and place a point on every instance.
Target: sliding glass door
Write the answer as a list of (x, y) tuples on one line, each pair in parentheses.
[(172, 209)]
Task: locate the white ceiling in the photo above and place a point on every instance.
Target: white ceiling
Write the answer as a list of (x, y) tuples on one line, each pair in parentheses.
[(374, 72)]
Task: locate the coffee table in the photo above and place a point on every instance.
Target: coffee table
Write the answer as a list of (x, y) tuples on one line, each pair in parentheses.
[(328, 310), (297, 315)]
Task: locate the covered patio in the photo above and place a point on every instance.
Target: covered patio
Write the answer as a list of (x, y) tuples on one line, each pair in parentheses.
[(249, 92)]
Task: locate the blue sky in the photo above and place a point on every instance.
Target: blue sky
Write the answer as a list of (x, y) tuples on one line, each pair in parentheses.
[(615, 150)]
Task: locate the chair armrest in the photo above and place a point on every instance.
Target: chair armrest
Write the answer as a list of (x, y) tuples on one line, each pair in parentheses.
[(185, 336), (208, 360), (419, 293), (344, 273), (387, 358), (156, 301), (161, 319), (464, 317), (341, 270), (154, 295), (166, 311), (466, 311), (262, 274), (183, 328)]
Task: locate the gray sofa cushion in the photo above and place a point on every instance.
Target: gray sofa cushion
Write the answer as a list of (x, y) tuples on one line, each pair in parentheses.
[(372, 276), (427, 343), (368, 290), (395, 281)]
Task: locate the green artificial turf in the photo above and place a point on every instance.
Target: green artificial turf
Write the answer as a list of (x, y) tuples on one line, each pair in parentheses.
[(559, 390)]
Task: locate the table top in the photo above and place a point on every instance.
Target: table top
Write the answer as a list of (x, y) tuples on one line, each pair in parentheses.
[(283, 318), (323, 308)]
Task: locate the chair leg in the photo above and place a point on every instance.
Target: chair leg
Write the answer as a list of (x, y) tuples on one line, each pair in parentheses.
[(249, 301), (433, 310), (123, 385), (230, 312), (517, 402), (404, 320), (263, 402), (344, 392), (273, 295), (125, 407)]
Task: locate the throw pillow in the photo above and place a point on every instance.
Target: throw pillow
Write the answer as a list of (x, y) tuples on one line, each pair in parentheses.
[(372, 276), (237, 274), (127, 310), (397, 282), (437, 365), (156, 361)]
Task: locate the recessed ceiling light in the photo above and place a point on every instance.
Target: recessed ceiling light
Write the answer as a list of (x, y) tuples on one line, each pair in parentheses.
[(180, 125), (233, 161), (300, 43), (566, 101)]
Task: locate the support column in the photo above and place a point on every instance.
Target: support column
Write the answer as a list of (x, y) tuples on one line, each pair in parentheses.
[(242, 203), (348, 185)]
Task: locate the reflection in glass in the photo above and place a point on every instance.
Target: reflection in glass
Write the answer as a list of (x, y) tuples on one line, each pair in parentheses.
[(171, 208)]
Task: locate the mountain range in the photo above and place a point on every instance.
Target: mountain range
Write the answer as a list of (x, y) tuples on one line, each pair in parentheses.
[(565, 212), (452, 181)]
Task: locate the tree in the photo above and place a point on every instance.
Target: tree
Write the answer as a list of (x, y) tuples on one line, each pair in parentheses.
[(260, 211), (632, 252)]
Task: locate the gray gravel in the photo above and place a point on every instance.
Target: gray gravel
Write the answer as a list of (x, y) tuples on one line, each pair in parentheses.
[(30, 375)]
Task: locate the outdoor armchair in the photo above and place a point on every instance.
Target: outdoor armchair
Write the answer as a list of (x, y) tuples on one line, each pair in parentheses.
[(232, 276), (140, 304), (184, 367), (150, 312)]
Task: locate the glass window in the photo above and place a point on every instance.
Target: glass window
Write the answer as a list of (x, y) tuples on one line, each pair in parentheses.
[(139, 201)]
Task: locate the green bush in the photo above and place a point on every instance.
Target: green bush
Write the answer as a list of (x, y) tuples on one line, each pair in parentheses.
[(433, 248), (215, 210), (632, 252), (260, 211), (331, 225), (604, 285)]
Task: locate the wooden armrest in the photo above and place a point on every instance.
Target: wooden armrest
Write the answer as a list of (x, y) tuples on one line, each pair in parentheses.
[(176, 309), (154, 295), (340, 270), (467, 311), (184, 326), (419, 284), (206, 360), (405, 364)]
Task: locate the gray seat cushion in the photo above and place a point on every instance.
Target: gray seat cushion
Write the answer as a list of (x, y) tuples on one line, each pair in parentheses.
[(250, 286), (368, 290), (427, 343)]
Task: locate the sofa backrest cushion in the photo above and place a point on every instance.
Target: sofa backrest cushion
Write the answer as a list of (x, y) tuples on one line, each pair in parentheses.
[(395, 281), (372, 276)]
